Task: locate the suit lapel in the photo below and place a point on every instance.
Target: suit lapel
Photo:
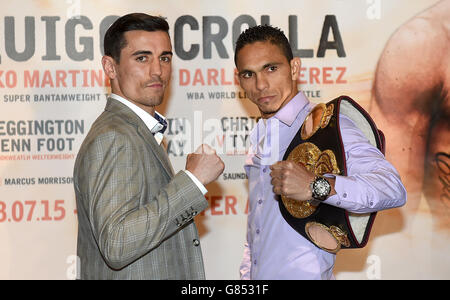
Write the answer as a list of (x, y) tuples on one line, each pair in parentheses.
[(128, 115), (145, 133)]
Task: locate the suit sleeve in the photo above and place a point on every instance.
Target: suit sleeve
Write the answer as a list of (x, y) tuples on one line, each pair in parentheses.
[(113, 189), (372, 183)]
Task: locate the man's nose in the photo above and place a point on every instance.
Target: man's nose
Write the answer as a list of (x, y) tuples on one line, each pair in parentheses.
[(261, 82), (155, 68)]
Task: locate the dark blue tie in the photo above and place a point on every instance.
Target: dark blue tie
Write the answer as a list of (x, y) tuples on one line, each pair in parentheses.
[(162, 122)]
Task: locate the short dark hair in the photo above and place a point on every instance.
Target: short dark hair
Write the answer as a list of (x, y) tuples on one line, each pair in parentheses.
[(262, 33), (115, 41)]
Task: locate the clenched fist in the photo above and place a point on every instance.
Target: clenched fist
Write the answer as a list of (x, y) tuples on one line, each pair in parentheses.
[(205, 164), (292, 180)]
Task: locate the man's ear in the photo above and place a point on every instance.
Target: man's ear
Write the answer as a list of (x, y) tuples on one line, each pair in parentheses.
[(109, 66), (296, 64)]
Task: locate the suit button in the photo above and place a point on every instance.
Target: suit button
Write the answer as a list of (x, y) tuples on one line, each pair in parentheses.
[(196, 242)]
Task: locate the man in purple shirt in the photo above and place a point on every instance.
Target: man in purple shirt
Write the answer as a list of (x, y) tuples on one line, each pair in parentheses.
[(268, 73)]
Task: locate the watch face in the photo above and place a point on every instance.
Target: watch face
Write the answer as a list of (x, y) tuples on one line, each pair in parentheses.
[(321, 187)]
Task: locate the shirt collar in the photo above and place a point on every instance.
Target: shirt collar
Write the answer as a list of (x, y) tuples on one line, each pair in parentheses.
[(290, 111), (152, 124), (286, 115)]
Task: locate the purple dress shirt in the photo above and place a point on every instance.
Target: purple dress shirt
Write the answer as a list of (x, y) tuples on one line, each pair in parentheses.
[(276, 251)]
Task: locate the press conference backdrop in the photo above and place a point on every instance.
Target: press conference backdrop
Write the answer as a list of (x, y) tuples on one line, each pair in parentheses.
[(52, 87)]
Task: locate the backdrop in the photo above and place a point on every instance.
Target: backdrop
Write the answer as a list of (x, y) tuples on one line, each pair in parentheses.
[(52, 88)]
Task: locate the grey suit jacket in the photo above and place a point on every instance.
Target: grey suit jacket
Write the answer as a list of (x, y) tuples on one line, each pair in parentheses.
[(135, 217)]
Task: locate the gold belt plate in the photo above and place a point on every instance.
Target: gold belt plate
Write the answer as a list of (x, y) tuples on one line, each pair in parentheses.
[(316, 161)]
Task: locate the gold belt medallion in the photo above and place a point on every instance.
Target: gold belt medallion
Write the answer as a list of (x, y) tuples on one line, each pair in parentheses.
[(316, 161), (327, 238), (319, 117)]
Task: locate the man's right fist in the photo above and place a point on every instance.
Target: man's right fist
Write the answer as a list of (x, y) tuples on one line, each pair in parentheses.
[(205, 164)]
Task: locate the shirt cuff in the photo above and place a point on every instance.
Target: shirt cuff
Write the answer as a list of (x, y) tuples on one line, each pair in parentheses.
[(197, 182), (348, 196), (335, 200)]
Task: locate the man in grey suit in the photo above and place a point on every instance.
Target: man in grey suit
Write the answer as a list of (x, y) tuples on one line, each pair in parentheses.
[(135, 216)]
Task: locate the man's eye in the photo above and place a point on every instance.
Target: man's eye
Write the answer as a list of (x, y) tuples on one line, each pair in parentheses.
[(166, 59), (271, 68), (141, 58), (246, 75)]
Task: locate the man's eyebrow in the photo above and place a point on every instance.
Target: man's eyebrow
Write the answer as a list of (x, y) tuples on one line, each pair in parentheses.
[(262, 68), (166, 53), (270, 64), (140, 52), (147, 52)]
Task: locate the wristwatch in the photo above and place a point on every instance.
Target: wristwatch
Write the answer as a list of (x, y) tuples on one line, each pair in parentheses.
[(320, 188)]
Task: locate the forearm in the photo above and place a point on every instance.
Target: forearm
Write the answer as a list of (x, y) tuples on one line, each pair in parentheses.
[(372, 183), (365, 193)]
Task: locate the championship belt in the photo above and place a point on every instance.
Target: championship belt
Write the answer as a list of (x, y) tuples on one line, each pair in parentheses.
[(318, 146)]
